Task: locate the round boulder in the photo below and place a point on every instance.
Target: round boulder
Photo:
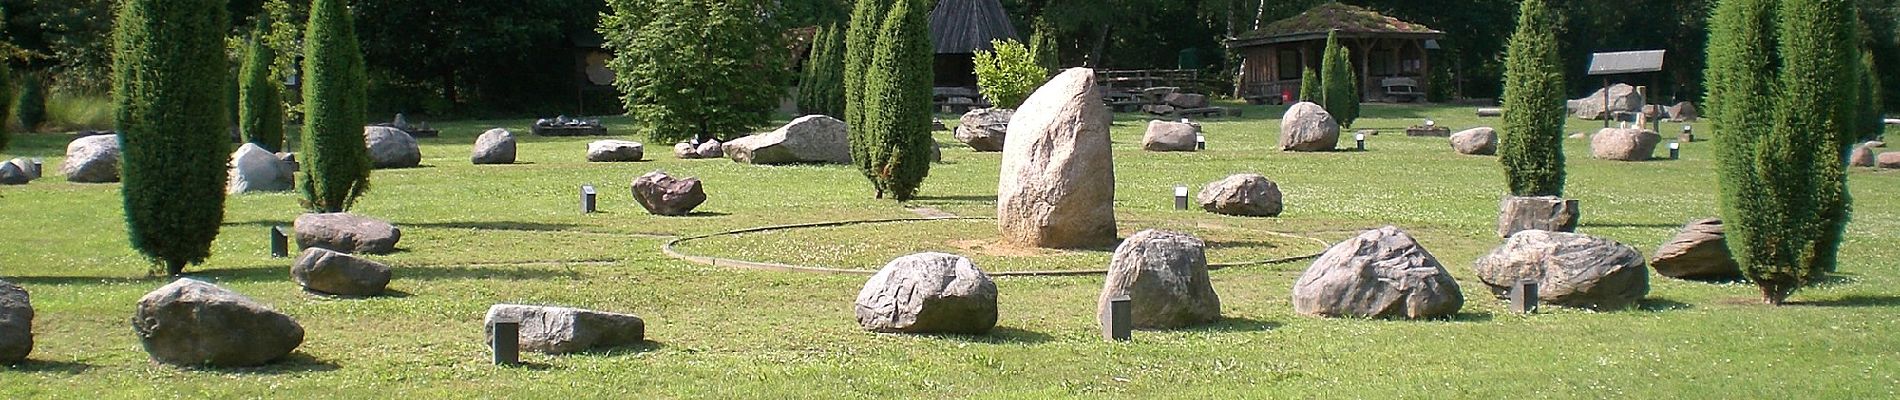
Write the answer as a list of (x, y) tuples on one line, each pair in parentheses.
[(561, 330), (1169, 136), (1382, 273), (985, 129), (496, 146), (1624, 144), (348, 233), (661, 194), (16, 324), (391, 147), (928, 293), (92, 159), (1481, 141), (1164, 275), (254, 169), (1699, 252), (1862, 156), (1572, 269), (1242, 194), (323, 271), (711, 149), (1308, 127), (613, 151), (191, 322)]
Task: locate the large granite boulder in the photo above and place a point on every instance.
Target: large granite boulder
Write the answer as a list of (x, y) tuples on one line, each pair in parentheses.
[(1572, 269), (686, 150), (31, 169), (12, 174), (928, 293), (391, 147), (711, 149), (562, 330), (984, 129), (16, 324), (1547, 213), (808, 139), (1185, 100), (1242, 194), (1622, 97), (1862, 156), (254, 169), (661, 194), (1308, 127), (1057, 185), (348, 233), (1684, 112), (1700, 252), (191, 322), (1169, 136), (1381, 273), (92, 159), (1624, 144), (323, 271), (1164, 275), (614, 151), (1480, 141), (496, 146), (1888, 160)]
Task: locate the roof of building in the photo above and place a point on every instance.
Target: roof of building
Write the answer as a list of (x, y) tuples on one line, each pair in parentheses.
[(1626, 62), (1348, 20), (965, 26)]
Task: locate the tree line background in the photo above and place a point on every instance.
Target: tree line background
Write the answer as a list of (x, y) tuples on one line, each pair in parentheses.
[(514, 57)]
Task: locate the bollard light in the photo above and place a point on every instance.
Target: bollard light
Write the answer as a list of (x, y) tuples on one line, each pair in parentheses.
[(1429, 124), (587, 199), (279, 242), (1524, 296), (1360, 139), (1118, 324), (1180, 197), (1200, 142), (507, 342), (39, 168), (1675, 150)]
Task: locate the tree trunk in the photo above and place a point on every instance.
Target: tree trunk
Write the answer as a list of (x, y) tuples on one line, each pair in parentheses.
[(174, 268), (1101, 43)]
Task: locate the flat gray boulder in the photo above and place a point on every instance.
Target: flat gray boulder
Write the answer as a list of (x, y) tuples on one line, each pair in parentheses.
[(1057, 184), (1480, 141), (391, 147), (16, 324), (808, 139), (1242, 194), (348, 233), (254, 169), (92, 159), (12, 174), (328, 272), (1700, 252), (1308, 127), (1164, 275), (496, 146), (1169, 136), (1382, 273), (662, 194), (1572, 269), (563, 330), (984, 129), (1622, 98), (614, 151), (1624, 144), (928, 293), (1547, 213), (192, 323)]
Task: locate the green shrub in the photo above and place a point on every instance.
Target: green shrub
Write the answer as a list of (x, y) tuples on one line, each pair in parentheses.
[(898, 100), (1009, 74), (1310, 86), (1531, 143), (702, 68), (261, 114), (1339, 86), (169, 77), (6, 103), (1872, 127), (1814, 125), (821, 91), (336, 165), (31, 108), (866, 18)]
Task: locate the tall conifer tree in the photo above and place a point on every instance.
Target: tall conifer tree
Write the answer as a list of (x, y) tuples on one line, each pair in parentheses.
[(169, 79), (1531, 143)]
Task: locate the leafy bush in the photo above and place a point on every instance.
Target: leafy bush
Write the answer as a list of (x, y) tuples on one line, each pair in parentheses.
[(1009, 74), (169, 81), (700, 68)]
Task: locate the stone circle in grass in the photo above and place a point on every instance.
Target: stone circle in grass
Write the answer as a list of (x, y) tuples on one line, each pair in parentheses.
[(1057, 185), (562, 330), (928, 293), (16, 323), (1572, 269), (328, 272), (254, 169), (1242, 194), (984, 129), (1382, 273), (1624, 144), (193, 323), (345, 232), (1480, 141), (1169, 136), (1164, 274)]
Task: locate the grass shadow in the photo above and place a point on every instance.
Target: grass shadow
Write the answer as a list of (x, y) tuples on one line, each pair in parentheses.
[(62, 367), (293, 363), (29, 281), (1625, 225), (645, 346), (494, 226), (1235, 324), (266, 224), (705, 214), (1853, 301), (438, 272), (997, 335), (975, 198), (1661, 304), (1469, 317), (390, 293)]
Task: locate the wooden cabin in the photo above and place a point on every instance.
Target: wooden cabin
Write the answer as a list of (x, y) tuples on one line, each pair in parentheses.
[(1391, 57), (958, 29)]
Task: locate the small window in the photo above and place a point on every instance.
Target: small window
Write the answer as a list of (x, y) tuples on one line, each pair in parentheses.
[(1290, 66)]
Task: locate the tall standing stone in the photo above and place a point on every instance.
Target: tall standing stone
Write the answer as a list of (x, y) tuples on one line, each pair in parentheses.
[(1057, 187), (1164, 275)]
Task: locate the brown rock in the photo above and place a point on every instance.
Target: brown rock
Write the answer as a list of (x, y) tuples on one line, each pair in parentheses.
[(1242, 194), (1480, 141), (1548, 213), (1624, 144), (1888, 160), (1169, 136), (1699, 252)]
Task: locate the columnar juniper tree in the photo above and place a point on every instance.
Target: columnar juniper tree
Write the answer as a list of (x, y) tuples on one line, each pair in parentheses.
[(1870, 104), (1339, 89), (261, 109), (1531, 146), (1042, 44), (169, 77), (867, 18), (31, 108), (821, 90), (1310, 89), (897, 102), (336, 164), (701, 68)]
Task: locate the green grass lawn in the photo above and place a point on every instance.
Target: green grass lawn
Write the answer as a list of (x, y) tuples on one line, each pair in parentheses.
[(480, 235)]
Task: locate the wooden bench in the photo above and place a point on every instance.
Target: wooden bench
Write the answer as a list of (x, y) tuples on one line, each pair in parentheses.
[(1401, 90)]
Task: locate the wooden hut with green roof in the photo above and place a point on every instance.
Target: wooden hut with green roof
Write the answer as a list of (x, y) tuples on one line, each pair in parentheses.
[(1389, 55)]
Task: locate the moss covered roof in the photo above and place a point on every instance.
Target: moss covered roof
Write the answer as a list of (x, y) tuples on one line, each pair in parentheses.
[(1335, 16)]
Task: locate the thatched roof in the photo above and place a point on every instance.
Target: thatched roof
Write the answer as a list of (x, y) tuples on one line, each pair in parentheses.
[(965, 26), (1350, 21)]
